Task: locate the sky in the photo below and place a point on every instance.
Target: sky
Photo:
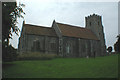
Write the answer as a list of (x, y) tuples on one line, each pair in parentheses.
[(70, 12)]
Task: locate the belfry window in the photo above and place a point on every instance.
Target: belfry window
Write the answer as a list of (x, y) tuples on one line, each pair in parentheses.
[(98, 23), (90, 23), (99, 33)]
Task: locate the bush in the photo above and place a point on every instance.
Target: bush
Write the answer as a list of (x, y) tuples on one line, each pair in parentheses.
[(109, 49), (9, 54), (36, 56)]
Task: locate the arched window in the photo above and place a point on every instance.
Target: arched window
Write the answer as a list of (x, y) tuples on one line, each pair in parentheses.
[(36, 45), (68, 47), (53, 44)]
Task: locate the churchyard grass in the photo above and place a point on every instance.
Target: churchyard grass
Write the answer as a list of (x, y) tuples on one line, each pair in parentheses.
[(99, 67)]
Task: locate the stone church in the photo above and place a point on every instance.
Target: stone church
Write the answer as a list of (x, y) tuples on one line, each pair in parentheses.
[(64, 39)]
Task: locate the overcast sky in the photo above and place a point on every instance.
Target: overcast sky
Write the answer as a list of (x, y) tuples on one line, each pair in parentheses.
[(69, 12)]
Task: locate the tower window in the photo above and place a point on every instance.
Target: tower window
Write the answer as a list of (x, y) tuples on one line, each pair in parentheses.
[(98, 23), (90, 23), (99, 33)]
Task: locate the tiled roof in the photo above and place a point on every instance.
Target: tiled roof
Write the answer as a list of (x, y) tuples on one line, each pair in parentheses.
[(66, 30), (39, 30), (74, 31)]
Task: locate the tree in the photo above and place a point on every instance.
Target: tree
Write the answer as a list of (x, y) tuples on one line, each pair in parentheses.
[(117, 44), (10, 13), (109, 49)]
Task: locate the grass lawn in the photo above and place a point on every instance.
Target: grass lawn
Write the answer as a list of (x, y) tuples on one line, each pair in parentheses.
[(100, 67)]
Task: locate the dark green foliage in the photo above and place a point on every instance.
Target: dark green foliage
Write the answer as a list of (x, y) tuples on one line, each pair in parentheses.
[(117, 44), (10, 13), (11, 54), (7, 8), (109, 49)]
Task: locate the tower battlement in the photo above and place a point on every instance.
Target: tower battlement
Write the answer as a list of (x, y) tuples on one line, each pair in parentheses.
[(93, 16)]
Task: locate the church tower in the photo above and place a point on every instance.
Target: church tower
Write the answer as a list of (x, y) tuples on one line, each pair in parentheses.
[(94, 23)]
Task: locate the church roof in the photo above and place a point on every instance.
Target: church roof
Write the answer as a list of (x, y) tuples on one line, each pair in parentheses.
[(75, 31), (66, 30), (39, 30)]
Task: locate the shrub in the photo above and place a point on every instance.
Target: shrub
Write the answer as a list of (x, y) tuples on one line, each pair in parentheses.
[(109, 49), (36, 56), (9, 54)]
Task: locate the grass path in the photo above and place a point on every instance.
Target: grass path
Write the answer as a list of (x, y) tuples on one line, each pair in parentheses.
[(100, 67)]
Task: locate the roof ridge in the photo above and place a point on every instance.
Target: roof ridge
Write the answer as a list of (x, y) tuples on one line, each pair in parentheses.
[(39, 30), (37, 26), (74, 26), (71, 25)]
